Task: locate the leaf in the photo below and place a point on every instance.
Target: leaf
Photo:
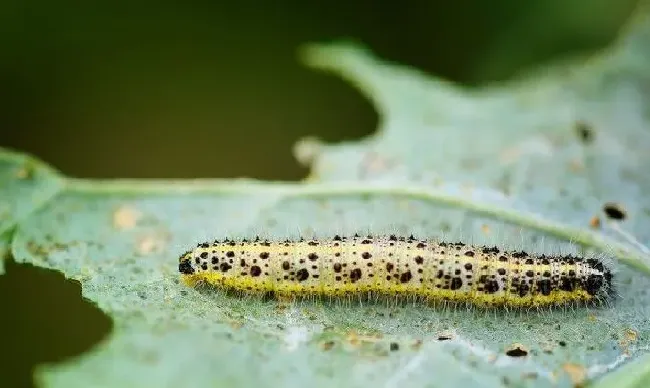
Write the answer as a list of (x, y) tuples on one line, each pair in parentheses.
[(634, 374), (529, 177), (26, 185), (575, 136)]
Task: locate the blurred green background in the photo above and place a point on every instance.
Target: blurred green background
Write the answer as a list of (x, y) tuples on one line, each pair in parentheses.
[(215, 89)]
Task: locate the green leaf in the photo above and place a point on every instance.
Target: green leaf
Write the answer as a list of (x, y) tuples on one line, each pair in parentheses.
[(635, 374), (121, 240), (26, 185), (507, 165)]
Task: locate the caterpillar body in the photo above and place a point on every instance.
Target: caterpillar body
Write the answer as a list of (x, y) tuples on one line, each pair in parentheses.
[(435, 271)]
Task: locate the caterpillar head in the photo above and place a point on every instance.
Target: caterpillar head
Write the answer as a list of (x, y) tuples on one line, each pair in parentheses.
[(185, 265)]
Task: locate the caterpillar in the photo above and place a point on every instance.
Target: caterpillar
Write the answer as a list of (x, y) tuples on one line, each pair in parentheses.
[(435, 271)]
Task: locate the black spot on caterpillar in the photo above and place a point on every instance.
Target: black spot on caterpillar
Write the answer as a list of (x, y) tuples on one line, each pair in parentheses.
[(398, 266)]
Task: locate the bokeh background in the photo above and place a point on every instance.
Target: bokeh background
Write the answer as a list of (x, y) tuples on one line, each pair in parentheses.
[(164, 89), (214, 88)]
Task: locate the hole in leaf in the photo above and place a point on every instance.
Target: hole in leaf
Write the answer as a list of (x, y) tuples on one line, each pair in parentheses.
[(45, 320), (517, 350)]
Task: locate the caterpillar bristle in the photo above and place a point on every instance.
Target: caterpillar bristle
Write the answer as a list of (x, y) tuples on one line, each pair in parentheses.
[(406, 268)]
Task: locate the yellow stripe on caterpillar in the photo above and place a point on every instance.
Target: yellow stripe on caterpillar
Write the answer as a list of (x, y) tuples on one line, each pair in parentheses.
[(435, 271)]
